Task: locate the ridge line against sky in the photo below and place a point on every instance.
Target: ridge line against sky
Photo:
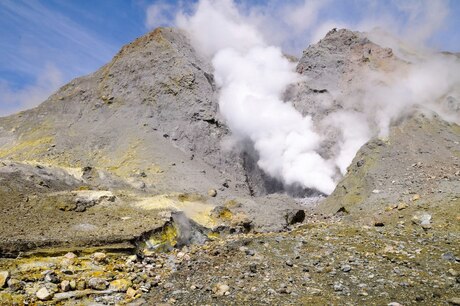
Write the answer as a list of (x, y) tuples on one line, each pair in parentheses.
[(46, 43)]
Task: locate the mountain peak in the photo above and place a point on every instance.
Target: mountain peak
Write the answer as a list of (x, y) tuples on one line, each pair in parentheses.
[(342, 52), (162, 36)]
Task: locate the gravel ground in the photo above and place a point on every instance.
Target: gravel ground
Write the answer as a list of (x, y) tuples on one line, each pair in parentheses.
[(326, 261)]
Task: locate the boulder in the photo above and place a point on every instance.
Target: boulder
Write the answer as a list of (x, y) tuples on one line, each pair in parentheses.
[(44, 294)]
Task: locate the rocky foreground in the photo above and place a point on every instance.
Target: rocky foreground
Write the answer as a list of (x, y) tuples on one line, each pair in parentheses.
[(325, 261)]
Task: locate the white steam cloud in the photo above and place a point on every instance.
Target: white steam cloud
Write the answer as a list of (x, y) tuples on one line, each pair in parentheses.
[(253, 76), (251, 85), (217, 25), (377, 99), (426, 84)]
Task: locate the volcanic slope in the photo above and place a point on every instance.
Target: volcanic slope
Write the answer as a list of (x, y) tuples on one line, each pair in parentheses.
[(145, 130), (412, 171)]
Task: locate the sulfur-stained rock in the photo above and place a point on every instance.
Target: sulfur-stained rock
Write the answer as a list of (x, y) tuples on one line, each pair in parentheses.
[(221, 289), (212, 193), (73, 285), (88, 198), (422, 218), (130, 293), (4, 276), (80, 285), (68, 260), (66, 206), (120, 285), (51, 277), (15, 284)]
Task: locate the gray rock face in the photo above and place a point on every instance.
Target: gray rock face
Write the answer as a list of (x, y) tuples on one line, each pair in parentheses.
[(271, 213), (157, 91), (333, 70), (147, 123), (340, 53), (416, 167)]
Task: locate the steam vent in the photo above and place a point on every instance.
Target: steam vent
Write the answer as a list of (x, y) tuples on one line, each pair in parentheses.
[(189, 171)]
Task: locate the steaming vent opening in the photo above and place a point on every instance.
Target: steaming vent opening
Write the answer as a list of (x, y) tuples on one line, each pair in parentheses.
[(260, 184)]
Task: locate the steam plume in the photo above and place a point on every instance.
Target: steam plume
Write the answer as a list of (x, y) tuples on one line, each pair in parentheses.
[(253, 75)]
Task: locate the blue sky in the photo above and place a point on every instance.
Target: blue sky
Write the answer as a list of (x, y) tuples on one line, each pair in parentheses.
[(46, 43)]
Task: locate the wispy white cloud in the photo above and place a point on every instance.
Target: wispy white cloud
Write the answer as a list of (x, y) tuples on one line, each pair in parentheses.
[(13, 100), (295, 24), (42, 48), (303, 16), (159, 14), (423, 18)]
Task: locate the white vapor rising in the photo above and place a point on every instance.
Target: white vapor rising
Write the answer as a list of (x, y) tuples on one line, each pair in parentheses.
[(253, 76), (251, 85), (427, 84), (354, 131), (422, 85), (217, 25), (295, 24)]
